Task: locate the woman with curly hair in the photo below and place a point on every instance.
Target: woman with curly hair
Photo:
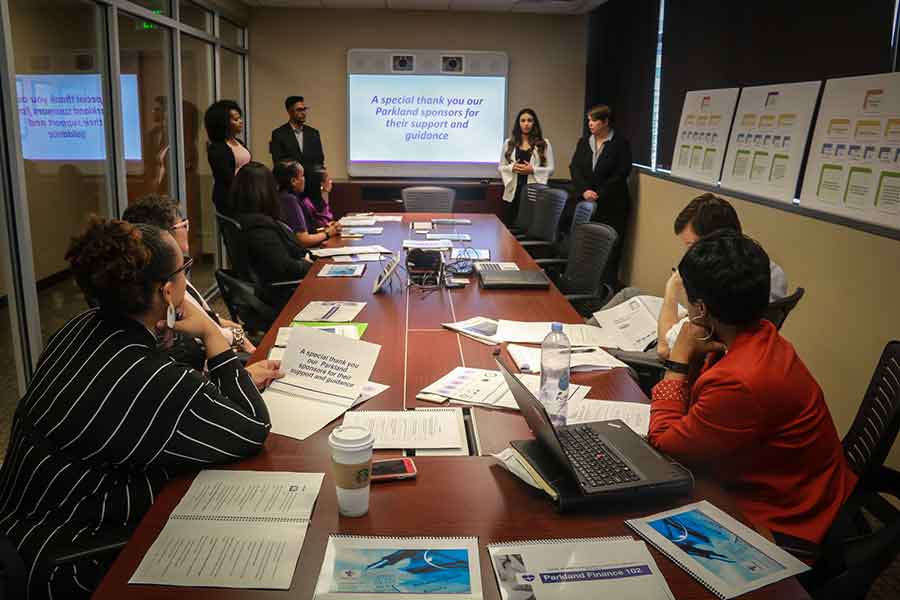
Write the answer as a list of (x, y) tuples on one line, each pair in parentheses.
[(108, 418), (225, 152)]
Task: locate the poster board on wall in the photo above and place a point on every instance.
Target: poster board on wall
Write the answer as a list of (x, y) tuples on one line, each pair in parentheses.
[(703, 134)]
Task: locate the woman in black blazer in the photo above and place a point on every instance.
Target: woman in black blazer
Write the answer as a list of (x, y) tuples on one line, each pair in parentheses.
[(600, 168), (272, 248), (225, 152)]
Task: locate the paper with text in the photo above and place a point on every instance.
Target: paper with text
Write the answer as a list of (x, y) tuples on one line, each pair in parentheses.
[(634, 414), (410, 429)]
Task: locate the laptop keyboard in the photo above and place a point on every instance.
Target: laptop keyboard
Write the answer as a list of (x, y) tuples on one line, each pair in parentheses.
[(597, 464)]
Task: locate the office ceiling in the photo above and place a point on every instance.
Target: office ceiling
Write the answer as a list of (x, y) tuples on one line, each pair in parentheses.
[(562, 7)]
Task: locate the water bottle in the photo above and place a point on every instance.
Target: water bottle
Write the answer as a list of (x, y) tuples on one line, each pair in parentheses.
[(555, 351)]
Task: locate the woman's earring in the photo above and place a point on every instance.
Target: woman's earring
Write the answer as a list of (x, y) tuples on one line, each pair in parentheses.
[(711, 330), (170, 316)]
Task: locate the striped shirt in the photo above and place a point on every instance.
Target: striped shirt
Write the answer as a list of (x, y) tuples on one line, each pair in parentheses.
[(107, 420)]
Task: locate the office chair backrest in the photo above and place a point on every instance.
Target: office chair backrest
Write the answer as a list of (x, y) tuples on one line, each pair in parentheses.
[(428, 199), (548, 209), (778, 311), (877, 422), (526, 206), (242, 302), (584, 210), (592, 246), (232, 234)]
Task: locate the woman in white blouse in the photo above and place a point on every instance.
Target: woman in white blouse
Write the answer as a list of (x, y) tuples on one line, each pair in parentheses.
[(526, 158)]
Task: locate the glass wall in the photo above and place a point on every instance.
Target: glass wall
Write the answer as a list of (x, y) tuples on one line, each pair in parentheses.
[(61, 95), (80, 153), (197, 91), (145, 59)]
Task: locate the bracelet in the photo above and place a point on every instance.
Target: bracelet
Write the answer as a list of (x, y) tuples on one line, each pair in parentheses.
[(677, 367), (237, 339), (327, 237)]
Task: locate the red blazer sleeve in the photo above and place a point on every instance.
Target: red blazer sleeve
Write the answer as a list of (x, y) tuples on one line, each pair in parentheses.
[(723, 419)]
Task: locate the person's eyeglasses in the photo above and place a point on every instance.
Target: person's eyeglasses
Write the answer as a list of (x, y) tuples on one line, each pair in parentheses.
[(186, 267), (182, 224), (303, 108)]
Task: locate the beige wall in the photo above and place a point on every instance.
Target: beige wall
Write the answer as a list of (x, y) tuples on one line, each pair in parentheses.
[(305, 52), (849, 311)]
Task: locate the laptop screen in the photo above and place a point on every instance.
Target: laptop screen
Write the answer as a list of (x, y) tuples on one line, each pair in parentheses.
[(534, 412)]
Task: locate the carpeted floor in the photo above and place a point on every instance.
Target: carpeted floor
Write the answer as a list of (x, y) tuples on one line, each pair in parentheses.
[(64, 300)]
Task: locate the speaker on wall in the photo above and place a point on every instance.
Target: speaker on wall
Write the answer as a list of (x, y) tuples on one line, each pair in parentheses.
[(452, 64), (403, 63), (427, 62)]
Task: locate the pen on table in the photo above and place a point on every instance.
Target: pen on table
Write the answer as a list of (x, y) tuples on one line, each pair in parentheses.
[(330, 312), (579, 351)]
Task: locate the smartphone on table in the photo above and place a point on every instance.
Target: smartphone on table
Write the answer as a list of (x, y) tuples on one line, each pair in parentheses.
[(393, 468)]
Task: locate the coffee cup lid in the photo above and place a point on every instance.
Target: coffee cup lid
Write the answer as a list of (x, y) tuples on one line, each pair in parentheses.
[(351, 437)]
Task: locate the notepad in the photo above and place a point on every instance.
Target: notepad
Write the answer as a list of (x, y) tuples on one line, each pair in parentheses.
[(723, 554), (400, 568), (410, 429), (617, 567), (236, 529)]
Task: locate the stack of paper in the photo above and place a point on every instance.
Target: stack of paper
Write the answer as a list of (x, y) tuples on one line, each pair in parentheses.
[(527, 332), (428, 244), (333, 311), (528, 359), (412, 429), (630, 325), (236, 529), (484, 387), (481, 329), (357, 221), (388, 218), (324, 376), (421, 226), (457, 237), (329, 252), (362, 230)]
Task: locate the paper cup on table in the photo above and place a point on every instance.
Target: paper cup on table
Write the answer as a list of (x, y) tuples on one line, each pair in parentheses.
[(351, 464)]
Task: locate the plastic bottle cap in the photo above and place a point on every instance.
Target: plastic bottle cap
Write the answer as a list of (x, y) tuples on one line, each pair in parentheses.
[(556, 327)]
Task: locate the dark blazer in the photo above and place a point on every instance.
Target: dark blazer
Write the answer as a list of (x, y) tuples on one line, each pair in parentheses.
[(274, 256), (284, 146), (221, 161), (608, 179)]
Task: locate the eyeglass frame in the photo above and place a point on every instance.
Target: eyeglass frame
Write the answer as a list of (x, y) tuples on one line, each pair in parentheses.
[(188, 263)]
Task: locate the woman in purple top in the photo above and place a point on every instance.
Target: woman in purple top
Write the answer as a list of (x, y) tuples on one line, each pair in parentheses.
[(296, 213)]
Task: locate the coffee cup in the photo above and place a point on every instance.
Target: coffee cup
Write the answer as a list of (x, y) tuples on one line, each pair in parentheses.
[(351, 465)]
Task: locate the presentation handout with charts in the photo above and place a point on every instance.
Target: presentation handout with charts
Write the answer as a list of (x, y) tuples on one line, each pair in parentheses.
[(853, 167), (768, 139), (703, 134)]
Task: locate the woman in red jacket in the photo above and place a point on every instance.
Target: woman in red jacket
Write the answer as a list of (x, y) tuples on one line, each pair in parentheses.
[(738, 403)]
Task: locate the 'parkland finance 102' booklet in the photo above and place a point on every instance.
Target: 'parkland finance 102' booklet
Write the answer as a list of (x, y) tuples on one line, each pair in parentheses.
[(617, 567), (414, 568), (726, 556)]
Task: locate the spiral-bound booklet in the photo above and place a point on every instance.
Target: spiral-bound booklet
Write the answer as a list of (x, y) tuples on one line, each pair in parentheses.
[(236, 529), (616, 567), (724, 555), (400, 568)]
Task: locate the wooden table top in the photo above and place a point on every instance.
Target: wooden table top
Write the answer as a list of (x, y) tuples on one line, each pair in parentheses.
[(452, 496)]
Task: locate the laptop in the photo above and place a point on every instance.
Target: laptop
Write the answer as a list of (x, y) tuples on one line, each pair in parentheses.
[(499, 278), (604, 457)]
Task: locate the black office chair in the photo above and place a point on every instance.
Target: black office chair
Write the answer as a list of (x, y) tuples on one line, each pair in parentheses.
[(778, 311), (584, 210), (582, 280), (649, 366), (526, 209), (544, 230), (865, 537), (242, 302)]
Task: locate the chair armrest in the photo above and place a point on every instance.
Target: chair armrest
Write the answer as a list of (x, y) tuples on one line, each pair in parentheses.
[(551, 262), (520, 236), (886, 480), (642, 359), (579, 297), (535, 243), (285, 283)]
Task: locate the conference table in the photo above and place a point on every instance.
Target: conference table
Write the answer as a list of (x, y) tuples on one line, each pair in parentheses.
[(452, 495)]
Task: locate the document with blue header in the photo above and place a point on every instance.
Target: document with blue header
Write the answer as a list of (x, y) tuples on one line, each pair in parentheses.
[(619, 567)]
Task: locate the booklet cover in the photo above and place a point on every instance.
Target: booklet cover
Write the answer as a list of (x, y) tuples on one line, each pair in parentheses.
[(400, 568), (620, 568), (726, 556)]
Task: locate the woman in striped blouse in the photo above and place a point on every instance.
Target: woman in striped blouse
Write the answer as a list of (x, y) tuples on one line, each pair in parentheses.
[(108, 419)]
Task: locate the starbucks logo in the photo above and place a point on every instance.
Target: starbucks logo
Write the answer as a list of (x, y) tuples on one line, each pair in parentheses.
[(362, 476)]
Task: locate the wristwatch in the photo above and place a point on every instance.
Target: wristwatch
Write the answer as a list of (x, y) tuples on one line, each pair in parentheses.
[(677, 367), (237, 339)]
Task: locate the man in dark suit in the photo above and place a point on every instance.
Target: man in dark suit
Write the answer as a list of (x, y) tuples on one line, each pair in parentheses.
[(295, 140)]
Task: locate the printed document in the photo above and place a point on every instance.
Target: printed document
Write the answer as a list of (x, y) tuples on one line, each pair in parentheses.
[(620, 568), (478, 328), (428, 244), (407, 568), (333, 311), (236, 529), (534, 332), (634, 414), (528, 359), (299, 417), (410, 429), (327, 252), (357, 221), (630, 324)]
